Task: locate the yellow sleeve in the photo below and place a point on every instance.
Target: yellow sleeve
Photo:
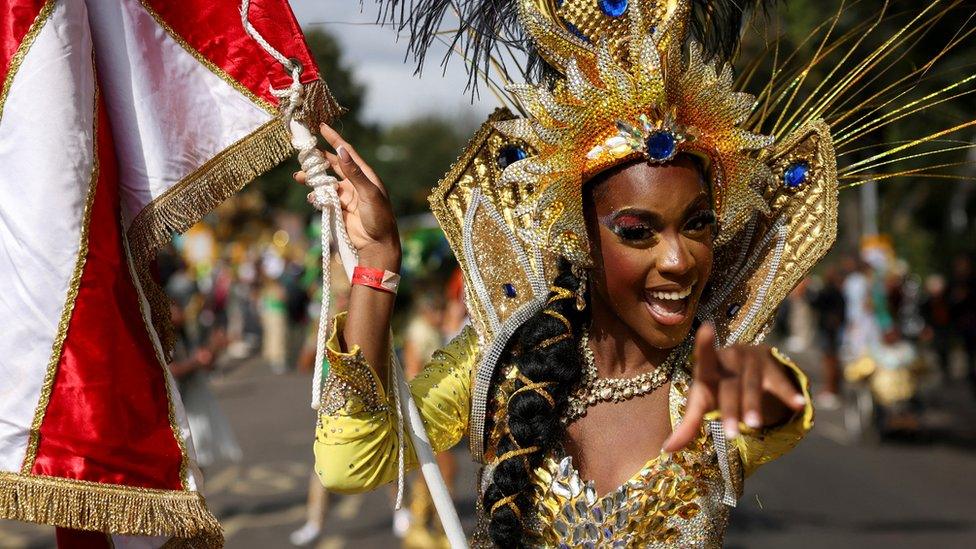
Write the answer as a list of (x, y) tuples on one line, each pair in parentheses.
[(758, 447), (356, 437)]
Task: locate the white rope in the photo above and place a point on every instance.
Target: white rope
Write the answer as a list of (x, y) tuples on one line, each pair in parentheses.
[(324, 197)]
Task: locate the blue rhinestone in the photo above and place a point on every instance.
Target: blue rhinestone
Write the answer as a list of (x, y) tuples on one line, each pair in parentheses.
[(576, 32), (613, 8), (510, 154), (660, 145), (733, 310), (509, 290), (796, 174)]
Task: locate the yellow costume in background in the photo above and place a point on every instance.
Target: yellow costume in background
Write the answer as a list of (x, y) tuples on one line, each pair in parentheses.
[(673, 500)]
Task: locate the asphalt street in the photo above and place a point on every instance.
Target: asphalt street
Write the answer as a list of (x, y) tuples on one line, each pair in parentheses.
[(909, 491)]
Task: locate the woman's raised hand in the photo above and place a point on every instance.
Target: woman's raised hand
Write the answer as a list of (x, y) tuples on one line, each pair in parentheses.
[(742, 382), (366, 208)]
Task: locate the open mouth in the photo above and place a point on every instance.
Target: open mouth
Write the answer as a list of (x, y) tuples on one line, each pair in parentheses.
[(669, 308)]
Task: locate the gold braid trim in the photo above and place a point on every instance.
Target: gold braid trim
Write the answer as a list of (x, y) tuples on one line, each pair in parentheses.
[(537, 387), (110, 508), (558, 293), (510, 501), (194, 196)]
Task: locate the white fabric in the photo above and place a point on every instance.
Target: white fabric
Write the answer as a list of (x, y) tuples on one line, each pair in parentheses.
[(203, 114), (46, 158)]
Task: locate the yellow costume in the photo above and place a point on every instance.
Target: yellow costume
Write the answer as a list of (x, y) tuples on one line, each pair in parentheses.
[(672, 500)]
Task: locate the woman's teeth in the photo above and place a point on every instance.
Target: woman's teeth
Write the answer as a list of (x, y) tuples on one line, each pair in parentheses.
[(668, 308), (671, 295)]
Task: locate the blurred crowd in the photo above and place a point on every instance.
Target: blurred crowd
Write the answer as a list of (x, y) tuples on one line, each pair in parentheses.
[(881, 331)]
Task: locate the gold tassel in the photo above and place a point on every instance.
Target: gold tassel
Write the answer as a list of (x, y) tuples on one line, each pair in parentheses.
[(318, 106), (110, 508)]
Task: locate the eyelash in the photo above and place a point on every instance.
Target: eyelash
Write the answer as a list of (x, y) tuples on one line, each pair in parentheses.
[(640, 231), (705, 218)]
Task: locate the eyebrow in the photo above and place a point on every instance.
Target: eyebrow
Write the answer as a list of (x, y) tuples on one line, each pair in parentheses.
[(652, 217)]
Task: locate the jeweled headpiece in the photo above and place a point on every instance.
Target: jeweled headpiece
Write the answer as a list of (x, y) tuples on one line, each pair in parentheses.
[(625, 92)]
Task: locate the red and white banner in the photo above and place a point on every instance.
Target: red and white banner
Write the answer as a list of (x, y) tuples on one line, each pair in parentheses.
[(121, 121)]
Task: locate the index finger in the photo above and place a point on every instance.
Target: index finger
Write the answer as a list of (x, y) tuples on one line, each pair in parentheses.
[(706, 357), (333, 138)]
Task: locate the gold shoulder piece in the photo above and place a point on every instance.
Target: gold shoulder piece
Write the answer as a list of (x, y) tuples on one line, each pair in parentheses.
[(755, 271)]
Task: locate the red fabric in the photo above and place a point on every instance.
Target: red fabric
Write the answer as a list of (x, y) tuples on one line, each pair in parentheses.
[(108, 417), (16, 17), (214, 29), (81, 539)]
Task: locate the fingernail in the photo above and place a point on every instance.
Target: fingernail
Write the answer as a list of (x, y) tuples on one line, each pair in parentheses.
[(665, 456), (295, 175), (752, 420), (667, 444), (343, 153), (799, 400), (731, 427)]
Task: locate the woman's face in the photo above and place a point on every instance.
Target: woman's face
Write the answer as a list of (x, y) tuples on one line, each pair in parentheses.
[(651, 228)]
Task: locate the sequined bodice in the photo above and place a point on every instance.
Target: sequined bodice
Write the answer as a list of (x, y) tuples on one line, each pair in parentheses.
[(673, 501)]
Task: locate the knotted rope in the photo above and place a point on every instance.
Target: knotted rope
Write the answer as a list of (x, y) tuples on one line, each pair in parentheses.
[(325, 198)]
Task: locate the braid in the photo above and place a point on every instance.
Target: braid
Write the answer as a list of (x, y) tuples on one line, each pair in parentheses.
[(545, 352)]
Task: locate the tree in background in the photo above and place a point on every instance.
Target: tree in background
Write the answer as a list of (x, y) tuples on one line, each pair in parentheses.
[(410, 157)]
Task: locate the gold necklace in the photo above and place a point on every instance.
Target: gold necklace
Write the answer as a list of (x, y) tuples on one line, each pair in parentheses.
[(593, 389)]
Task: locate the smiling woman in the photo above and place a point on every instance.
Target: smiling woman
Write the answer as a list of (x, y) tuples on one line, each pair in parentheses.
[(624, 244)]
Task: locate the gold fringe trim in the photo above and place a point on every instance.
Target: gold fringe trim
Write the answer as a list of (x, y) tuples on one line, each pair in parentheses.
[(188, 201), (318, 106), (110, 508)]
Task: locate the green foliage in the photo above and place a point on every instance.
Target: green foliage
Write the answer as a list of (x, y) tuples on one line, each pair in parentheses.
[(410, 158)]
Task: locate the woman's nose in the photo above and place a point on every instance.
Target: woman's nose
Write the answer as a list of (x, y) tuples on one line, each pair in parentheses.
[(674, 258)]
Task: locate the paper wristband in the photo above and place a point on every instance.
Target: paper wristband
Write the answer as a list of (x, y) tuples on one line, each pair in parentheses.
[(376, 278)]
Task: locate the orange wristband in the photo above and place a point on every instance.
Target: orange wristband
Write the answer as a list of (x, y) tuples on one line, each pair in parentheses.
[(376, 278)]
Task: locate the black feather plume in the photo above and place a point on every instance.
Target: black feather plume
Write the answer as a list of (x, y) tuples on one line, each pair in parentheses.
[(717, 24), (487, 31)]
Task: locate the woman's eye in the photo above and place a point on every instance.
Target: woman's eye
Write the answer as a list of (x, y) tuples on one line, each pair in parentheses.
[(633, 232), (700, 221)]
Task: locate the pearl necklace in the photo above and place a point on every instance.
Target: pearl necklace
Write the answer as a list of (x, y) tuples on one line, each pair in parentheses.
[(593, 389)]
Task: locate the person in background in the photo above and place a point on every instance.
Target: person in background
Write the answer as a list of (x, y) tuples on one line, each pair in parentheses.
[(962, 300), (418, 523), (829, 304), (317, 505), (936, 311), (274, 323), (193, 360)]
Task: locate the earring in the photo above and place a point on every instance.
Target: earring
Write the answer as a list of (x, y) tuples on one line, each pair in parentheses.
[(582, 275)]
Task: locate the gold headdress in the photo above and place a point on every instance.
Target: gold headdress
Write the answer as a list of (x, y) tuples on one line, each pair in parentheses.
[(629, 84), (627, 94)]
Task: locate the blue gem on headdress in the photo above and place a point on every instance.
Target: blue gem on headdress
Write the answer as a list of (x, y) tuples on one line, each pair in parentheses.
[(661, 145), (576, 32), (613, 8), (796, 174), (733, 310), (510, 154), (509, 290)]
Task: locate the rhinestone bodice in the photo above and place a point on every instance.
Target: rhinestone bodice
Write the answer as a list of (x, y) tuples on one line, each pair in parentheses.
[(672, 501)]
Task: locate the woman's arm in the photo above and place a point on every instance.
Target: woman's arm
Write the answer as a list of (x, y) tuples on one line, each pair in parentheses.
[(372, 230), (356, 441)]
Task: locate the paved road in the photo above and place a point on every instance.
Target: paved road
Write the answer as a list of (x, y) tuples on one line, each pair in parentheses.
[(827, 493)]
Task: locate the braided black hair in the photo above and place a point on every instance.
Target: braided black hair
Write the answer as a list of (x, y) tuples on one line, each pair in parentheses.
[(546, 352)]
